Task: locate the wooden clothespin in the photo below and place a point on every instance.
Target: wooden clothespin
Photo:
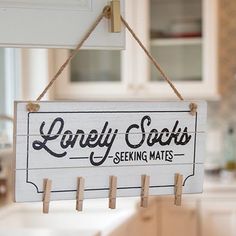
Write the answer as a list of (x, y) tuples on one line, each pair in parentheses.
[(80, 194), (178, 189), (112, 192), (46, 195), (145, 181), (115, 16), (193, 108)]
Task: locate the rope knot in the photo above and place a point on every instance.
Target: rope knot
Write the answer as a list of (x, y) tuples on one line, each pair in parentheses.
[(107, 12), (32, 107), (193, 108)]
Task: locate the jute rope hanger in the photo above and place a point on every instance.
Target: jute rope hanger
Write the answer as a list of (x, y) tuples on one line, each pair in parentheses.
[(7, 118), (107, 14)]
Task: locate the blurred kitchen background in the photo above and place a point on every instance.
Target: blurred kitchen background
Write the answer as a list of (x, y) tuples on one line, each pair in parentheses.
[(195, 42)]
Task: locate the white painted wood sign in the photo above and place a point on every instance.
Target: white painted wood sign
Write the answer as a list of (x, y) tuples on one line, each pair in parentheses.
[(56, 24), (94, 140)]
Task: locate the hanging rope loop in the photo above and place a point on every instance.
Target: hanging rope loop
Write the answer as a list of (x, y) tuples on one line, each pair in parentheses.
[(106, 12), (152, 59), (193, 108), (73, 54)]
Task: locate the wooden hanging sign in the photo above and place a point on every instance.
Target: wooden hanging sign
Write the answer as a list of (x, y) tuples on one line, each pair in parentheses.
[(63, 141)]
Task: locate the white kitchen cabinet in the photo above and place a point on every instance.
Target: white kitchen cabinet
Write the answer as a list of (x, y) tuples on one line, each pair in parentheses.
[(200, 215), (190, 59), (55, 24), (145, 222), (97, 74), (179, 221), (183, 38), (218, 217)]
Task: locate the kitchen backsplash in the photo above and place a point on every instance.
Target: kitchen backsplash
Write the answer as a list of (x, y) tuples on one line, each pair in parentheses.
[(222, 114)]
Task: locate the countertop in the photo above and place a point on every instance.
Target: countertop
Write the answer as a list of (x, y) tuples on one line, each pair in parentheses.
[(212, 186), (218, 189), (95, 218)]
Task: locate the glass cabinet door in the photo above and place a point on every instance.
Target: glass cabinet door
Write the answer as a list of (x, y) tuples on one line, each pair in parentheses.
[(176, 38), (92, 74), (181, 35), (96, 66)]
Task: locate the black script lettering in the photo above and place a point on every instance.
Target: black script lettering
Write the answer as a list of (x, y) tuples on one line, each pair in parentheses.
[(135, 126), (68, 140), (38, 145), (163, 138), (184, 138), (71, 139), (105, 143)]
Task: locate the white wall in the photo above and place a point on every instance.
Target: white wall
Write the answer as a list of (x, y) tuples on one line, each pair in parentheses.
[(35, 73)]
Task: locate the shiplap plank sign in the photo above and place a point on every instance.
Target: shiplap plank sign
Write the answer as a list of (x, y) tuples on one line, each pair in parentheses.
[(96, 140)]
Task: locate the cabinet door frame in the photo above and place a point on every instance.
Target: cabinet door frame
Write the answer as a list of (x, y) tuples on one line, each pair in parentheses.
[(211, 206), (135, 66), (208, 87), (65, 89), (122, 90)]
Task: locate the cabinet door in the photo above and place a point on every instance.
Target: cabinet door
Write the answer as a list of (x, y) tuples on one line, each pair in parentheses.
[(55, 24), (93, 74), (179, 221), (182, 36), (97, 74), (218, 218), (145, 222)]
